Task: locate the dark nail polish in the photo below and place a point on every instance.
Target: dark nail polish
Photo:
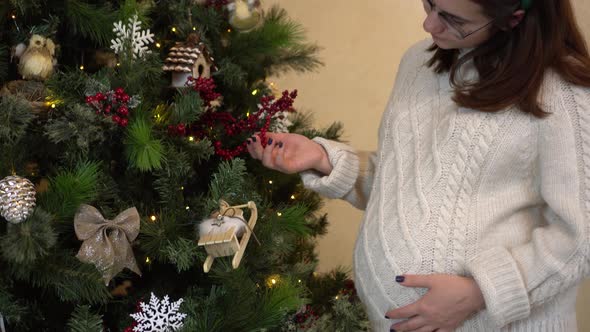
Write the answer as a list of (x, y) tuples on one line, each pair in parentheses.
[(391, 330), (253, 139), (387, 317), (280, 145), (248, 141), (400, 278), (269, 141)]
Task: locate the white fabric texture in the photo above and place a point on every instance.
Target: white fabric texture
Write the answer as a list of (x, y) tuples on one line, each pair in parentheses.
[(502, 197)]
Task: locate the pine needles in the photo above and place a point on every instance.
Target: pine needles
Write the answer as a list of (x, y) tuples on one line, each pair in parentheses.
[(143, 151)]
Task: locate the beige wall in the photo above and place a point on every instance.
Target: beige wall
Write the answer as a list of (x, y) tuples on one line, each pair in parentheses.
[(363, 43)]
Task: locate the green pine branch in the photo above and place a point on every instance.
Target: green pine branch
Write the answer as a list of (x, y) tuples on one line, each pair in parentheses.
[(276, 47), (68, 190), (3, 63), (68, 86), (156, 236), (15, 117), (90, 21), (144, 152), (83, 320), (187, 108), (30, 240), (12, 309), (284, 298), (184, 254)]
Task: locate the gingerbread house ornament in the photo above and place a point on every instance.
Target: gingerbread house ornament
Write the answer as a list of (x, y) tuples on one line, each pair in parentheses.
[(190, 58)]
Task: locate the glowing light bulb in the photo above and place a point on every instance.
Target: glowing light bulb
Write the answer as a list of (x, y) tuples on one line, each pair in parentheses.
[(270, 182), (255, 92), (191, 139), (173, 29), (273, 281), (153, 218), (279, 214), (82, 67), (147, 260), (158, 45), (292, 196)]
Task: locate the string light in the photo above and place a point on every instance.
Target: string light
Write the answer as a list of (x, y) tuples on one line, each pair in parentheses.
[(292, 196), (13, 16), (336, 297), (229, 30), (153, 218), (182, 188), (273, 280), (270, 182), (194, 28), (279, 214), (82, 67), (173, 29), (158, 45), (53, 105), (147, 260), (255, 92), (118, 64), (188, 208), (299, 281), (248, 114), (191, 139)]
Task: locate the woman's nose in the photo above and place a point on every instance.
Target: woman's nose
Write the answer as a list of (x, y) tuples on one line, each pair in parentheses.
[(433, 24)]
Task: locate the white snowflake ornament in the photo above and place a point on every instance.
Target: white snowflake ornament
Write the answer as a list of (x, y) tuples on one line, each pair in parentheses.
[(159, 316), (131, 35)]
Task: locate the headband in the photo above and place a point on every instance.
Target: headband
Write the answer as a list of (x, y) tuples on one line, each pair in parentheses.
[(526, 4)]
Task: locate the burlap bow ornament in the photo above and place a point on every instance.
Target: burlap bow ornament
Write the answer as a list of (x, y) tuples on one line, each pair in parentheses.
[(107, 243)]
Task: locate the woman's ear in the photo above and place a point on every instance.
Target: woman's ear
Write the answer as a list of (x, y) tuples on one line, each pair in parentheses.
[(516, 18)]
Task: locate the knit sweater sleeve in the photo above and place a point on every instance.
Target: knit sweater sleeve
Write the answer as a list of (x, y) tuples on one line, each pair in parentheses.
[(353, 171), (351, 177), (557, 256)]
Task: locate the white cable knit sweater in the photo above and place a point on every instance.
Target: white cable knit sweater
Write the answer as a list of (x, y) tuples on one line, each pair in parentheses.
[(504, 198)]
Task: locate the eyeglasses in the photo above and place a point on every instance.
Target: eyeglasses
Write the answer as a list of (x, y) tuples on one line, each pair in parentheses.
[(453, 23)]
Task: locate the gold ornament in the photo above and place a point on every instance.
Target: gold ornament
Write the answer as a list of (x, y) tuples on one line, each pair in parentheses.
[(17, 199), (37, 60), (107, 242), (245, 18)]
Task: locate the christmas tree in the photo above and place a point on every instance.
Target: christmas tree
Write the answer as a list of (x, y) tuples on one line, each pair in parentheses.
[(127, 201)]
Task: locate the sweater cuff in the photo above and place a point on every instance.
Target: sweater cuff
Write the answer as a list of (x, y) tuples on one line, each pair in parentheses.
[(501, 284), (345, 169)]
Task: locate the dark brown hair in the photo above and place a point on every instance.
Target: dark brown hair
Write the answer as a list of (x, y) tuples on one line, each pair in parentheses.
[(512, 64)]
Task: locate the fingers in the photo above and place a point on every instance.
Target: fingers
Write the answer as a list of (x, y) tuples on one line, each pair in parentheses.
[(408, 311), (416, 323), (269, 153), (414, 280), (254, 147)]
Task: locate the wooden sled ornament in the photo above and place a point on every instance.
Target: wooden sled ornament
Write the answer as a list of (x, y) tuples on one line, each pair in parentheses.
[(227, 243)]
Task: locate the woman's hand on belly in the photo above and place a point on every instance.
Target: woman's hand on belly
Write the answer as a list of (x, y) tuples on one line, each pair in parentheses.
[(450, 301)]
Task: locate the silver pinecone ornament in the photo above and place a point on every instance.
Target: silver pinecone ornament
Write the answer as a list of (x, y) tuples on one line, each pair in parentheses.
[(17, 198)]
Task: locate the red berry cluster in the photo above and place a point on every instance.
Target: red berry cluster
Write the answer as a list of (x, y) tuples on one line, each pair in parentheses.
[(113, 103), (270, 107), (233, 127), (306, 318), (206, 89)]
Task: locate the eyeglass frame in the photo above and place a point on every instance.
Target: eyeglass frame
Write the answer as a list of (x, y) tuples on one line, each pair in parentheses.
[(450, 25)]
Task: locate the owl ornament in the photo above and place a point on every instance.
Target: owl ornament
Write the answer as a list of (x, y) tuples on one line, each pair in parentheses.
[(37, 59)]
